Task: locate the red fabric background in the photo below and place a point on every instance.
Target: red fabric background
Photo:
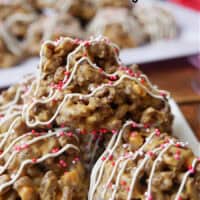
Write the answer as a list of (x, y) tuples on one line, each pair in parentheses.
[(194, 4)]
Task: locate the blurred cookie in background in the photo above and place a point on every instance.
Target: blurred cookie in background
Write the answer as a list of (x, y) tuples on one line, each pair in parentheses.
[(119, 25), (82, 9), (52, 27), (15, 21), (117, 3), (28, 4), (158, 23)]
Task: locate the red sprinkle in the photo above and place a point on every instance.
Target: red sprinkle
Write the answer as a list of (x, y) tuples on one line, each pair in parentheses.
[(103, 130), (1, 151), (191, 169), (110, 157), (17, 148), (113, 78), (94, 132), (167, 141), (62, 133), (87, 44), (130, 72), (134, 125), (49, 126), (133, 134), (59, 85), (113, 131), (1, 115), (128, 189), (123, 183), (62, 163), (109, 185), (76, 159), (116, 50), (157, 131), (163, 94), (67, 73), (146, 125), (24, 146), (69, 134), (142, 80), (34, 160), (150, 197), (103, 158), (150, 153), (178, 145), (138, 74), (54, 101), (110, 82), (55, 150), (77, 41), (83, 132), (100, 70), (62, 125), (177, 157), (162, 146)]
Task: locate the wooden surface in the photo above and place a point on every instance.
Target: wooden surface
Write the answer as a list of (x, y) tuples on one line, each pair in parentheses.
[(177, 76)]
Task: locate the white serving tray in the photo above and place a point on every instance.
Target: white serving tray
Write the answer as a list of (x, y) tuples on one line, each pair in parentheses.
[(182, 130)]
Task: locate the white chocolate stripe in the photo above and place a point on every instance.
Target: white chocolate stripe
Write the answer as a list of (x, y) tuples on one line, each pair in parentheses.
[(159, 158), (185, 179)]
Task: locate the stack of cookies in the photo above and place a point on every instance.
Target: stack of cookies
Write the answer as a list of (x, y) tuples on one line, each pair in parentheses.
[(88, 127)]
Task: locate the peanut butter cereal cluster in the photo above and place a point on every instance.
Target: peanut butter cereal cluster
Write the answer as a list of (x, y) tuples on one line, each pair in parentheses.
[(144, 163), (84, 85)]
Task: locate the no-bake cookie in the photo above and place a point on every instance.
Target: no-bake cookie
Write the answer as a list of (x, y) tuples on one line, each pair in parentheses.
[(15, 21), (51, 27), (158, 23), (144, 164), (119, 25), (83, 84)]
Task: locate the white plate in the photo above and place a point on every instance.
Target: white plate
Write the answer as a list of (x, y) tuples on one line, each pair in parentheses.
[(13, 75), (182, 130), (187, 43)]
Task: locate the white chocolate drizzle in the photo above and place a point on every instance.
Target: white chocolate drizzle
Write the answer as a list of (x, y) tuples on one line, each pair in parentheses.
[(185, 179)]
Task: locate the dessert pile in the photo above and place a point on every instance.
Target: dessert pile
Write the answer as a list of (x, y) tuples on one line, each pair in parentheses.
[(25, 25), (88, 127)]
